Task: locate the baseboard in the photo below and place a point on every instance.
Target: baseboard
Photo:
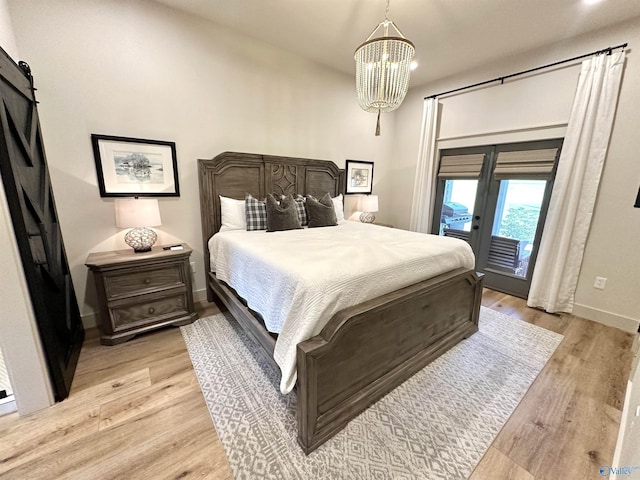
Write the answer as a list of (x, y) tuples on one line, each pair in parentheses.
[(607, 318), (200, 295), (90, 320), (8, 405)]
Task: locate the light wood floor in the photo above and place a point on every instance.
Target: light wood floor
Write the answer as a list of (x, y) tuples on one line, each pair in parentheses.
[(136, 412)]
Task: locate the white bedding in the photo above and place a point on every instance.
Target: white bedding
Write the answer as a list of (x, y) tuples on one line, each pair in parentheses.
[(297, 279)]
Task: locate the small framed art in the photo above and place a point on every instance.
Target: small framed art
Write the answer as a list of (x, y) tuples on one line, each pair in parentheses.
[(133, 167), (359, 176)]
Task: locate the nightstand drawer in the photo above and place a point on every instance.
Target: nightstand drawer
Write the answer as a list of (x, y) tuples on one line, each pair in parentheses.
[(128, 283), (159, 309)]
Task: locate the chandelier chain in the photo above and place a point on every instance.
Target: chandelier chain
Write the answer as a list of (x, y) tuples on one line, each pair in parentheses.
[(386, 12)]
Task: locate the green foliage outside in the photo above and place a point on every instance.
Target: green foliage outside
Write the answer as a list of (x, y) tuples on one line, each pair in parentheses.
[(520, 222)]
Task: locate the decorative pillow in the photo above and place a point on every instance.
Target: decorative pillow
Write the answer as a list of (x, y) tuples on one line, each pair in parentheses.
[(232, 214), (302, 212), (321, 213), (255, 213), (282, 215), (338, 204)]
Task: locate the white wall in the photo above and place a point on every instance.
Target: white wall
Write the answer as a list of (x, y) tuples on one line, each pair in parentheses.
[(7, 38), (543, 102), (19, 338), (140, 69)]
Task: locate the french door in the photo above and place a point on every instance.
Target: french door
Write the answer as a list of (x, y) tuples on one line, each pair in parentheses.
[(496, 198)]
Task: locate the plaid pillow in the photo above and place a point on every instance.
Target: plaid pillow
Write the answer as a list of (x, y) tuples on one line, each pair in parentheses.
[(256, 213), (302, 213)]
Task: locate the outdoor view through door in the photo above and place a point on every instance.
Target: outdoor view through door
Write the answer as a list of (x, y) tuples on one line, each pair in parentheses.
[(496, 199)]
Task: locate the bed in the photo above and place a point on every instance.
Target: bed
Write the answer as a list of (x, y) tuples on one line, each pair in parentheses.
[(364, 350)]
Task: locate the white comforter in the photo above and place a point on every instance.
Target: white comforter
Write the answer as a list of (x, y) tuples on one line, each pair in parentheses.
[(297, 279)]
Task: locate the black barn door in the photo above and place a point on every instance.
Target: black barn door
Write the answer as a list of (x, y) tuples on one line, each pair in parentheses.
[(23, 167)]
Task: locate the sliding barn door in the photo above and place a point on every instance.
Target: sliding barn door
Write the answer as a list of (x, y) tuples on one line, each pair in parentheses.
[(24, 172)]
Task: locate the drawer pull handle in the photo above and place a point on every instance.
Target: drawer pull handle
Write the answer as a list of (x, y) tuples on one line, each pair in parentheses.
[(147, 280), (151, 310)]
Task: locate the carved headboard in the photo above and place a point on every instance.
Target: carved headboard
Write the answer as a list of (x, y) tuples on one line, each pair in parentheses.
[(233, 175)]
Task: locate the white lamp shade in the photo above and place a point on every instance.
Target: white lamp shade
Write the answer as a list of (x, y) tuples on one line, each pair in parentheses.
[(137, 212), (368, 203)]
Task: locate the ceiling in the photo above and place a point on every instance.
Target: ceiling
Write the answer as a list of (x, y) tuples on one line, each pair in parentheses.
[(449, 35)]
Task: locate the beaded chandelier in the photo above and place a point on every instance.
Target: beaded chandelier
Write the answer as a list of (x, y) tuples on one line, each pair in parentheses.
[(383, 65)]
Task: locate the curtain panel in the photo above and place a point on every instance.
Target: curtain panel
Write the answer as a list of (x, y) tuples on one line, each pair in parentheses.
[(423, 191), (576, 185)]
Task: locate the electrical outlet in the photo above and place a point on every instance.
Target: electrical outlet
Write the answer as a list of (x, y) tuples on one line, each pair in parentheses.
[(600, 283), (193, 267)]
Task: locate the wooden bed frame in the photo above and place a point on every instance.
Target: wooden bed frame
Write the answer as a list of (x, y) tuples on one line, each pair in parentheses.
[(364, 351)]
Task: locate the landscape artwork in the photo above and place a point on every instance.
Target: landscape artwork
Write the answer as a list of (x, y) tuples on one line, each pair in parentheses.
[(134, 167)]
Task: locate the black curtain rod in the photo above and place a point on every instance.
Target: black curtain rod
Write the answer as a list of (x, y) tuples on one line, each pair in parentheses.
[(607, 50)]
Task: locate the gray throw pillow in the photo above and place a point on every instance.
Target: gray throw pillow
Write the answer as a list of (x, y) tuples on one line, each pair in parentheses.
[(321, 213), (282, 216)]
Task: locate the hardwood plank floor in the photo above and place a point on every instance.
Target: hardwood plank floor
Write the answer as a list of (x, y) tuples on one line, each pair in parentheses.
[(567, 424), (136, 411)]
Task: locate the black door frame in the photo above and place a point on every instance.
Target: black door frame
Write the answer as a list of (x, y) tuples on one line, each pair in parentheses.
[(484, 211)]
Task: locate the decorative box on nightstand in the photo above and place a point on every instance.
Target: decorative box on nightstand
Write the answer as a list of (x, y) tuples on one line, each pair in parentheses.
[(138, 292)]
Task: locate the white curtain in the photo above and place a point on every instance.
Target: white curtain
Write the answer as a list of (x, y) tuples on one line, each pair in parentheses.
[(423, 191), (574, 191)]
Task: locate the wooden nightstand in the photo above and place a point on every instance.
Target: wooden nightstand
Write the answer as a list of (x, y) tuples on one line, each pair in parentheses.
[(138, 292)]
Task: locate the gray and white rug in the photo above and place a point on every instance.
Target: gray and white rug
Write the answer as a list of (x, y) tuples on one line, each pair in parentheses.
[(437, 425)]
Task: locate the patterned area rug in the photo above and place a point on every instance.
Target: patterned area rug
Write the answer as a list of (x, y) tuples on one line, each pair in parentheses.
[(437, 425)]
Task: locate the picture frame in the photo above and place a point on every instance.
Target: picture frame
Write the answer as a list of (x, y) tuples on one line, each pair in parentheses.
[(359, 177), (135, 167)]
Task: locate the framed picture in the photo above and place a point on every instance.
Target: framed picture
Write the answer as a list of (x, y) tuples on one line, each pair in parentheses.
[(359, 177), (133, 167)]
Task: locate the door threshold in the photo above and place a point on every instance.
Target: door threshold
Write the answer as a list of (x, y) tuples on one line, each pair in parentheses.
[(8, 405)]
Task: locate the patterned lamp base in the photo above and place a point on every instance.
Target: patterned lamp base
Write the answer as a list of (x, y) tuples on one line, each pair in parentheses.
[(141, 239), (367, 217)]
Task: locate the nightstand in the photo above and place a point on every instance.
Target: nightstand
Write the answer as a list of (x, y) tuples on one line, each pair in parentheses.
[(138, 292)]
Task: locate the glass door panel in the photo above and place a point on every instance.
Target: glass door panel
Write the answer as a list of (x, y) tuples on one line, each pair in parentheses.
[(457, 206), (515, 223)]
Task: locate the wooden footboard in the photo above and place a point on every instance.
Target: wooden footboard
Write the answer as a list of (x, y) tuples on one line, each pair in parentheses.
[(367, 350)]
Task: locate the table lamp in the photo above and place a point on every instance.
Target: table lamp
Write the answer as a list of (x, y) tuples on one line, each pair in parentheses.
[(367, 205), (139, 214)]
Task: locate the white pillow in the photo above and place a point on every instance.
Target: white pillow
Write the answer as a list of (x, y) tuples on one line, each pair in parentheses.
[(232, 213), (338, 205)]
